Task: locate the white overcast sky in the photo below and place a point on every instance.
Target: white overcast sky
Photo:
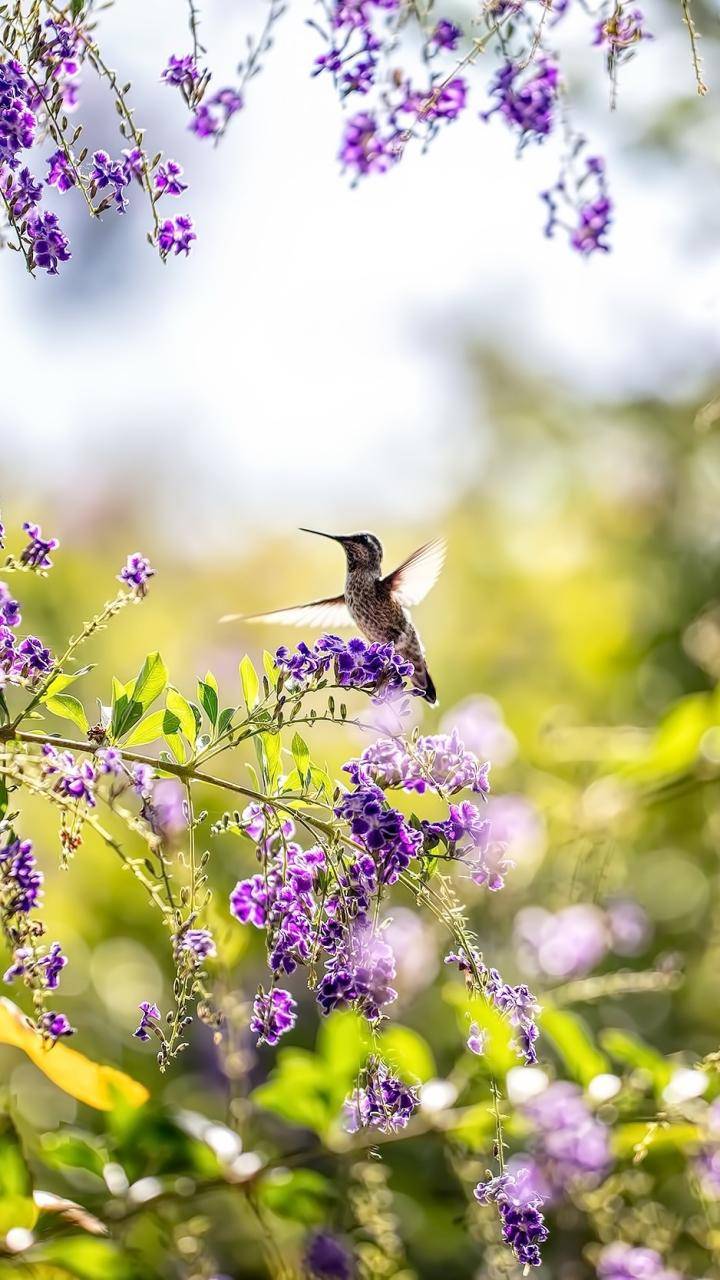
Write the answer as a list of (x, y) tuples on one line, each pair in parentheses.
[(310, 356)]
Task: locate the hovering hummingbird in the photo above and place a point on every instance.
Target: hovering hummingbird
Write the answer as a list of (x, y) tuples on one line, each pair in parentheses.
[(378, 606)]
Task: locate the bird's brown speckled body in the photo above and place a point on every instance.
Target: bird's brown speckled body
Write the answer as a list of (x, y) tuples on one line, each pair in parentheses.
[(377, 605)]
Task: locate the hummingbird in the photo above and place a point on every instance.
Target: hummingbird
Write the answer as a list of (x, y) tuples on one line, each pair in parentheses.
[(378, 606)]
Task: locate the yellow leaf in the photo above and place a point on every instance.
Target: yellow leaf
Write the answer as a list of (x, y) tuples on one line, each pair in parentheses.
[(90, 1082)]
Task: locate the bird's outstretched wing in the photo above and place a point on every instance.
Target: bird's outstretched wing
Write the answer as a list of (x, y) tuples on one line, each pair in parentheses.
[(332, 612), (412, 580)]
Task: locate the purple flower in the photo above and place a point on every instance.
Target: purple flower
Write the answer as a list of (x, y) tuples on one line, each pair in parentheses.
[(54, 1025), (133, 163), (478, 722), (211, 118), (363, 149), (383, 1102), (110, 173), (273, 1015), (445, 35), (375, 668), (528, 106), (330, 61), (438, 760), (10, 615), (32, 659), (48, 243), (198, 943), (359, 973), (20, 880), (17, 120), (176, 236), (149, 1015), (622, 1261), (181, 72), (567, 944), (523, 1225), (383, 832), (37, 553), (167, 179), (142, 779), (327, 1258), (23, 193), (110, 761), (60, 172), (570, 1147), (629, 926), (477, 1039), (585, 201), (42, 971), (360, 77), (621, 30), (136, 572), (248, 901)]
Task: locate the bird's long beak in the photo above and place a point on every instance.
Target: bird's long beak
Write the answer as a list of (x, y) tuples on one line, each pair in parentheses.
[(336, 537)]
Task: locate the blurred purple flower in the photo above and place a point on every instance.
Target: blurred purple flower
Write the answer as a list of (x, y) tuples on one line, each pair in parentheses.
[(478, 721), (570, 1147), (328, 1258), (54, 1025), (622, 1261), (567, 944), (629, 925), (136, 572)]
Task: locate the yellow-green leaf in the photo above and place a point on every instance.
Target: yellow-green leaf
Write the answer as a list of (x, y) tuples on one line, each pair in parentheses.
[(90, 1082), (271, 670), (146, 730), (249, 681), (150, 681), (408, 1053), (181, 708), (572, 1040), (68, 708)]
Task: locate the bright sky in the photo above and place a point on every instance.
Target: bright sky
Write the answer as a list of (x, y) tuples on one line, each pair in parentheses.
[(309, 358)]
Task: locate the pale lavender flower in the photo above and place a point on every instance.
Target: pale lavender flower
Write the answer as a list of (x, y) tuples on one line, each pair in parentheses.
[(477, 1039), (622, 1261), (567, 944), (149, 1016), (479, 722), (136, 572)]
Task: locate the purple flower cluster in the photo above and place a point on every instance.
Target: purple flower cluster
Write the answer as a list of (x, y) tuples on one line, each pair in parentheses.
[(40, 971), (48, 242), (467, 837), (111, 176), (570, 1147), (382, 1102), (580, 205), (36, 554), (10, 615), (75, 779), (212, 117), (517, 1004), (622, 1261), (438, 761), (181, 73), (197, 945), (54, 1025), (21, 880), (384, 832), (359, 971), (149, 1016), (176, 235), (273, 1014), (136, 572), (375, 668), (22, 661), (523, 1225), (60, 172), (62, 52), (526, 102), (17, 121)]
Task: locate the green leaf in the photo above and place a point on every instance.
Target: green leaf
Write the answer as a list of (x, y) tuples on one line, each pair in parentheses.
[(74, 1149), (250, 683), (68, 708), (344, 1042), (66, 678), (150, 681), (208, 696), (408, 1053), (301, 755), (272, 748), (271, 671), (627, 1138), (322, 782), (15, 1177), (76, 8), (225, 719), (572, 1041), (147, 730), (300, 1091), (180, 707), (17, 1211)]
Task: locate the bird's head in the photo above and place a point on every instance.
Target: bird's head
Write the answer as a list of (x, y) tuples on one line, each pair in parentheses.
[(362, 550)]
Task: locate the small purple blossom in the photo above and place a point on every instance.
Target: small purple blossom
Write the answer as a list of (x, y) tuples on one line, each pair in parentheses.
[(136, 572), (10, 615), (149, 1015), (168, 179), (364, 149), (623, 29), (273, 1015), (23, 193), (437, 760), (477, 1039), (112, 174), (110, 761), (199, 944), (48, 243), (42, 971), (580, 205), (176, 236), (570, 1146), (54, 1025), (142, 776), (446, 35), (75, 780), (60, 172), (328, 1258), (37, 553), (21, 881), (181, 72), (211, 118)]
